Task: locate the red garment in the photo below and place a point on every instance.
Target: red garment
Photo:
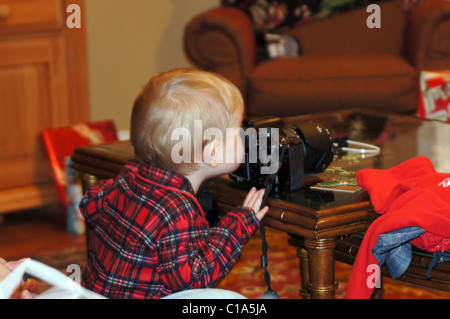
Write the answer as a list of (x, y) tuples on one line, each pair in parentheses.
[(151, 238), (410, 194)]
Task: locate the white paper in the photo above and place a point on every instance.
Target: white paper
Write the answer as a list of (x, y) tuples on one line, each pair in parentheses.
[(63, 286)]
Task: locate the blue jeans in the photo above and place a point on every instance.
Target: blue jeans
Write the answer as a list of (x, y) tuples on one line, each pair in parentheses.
[(394, 248)]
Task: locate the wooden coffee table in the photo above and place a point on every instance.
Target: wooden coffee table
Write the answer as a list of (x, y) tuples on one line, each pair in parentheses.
[(320, 223)]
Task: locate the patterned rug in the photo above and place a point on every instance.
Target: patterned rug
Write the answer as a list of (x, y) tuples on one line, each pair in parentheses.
[(247, 275)]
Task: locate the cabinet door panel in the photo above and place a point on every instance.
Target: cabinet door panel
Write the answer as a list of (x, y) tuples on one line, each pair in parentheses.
[(33, 96)]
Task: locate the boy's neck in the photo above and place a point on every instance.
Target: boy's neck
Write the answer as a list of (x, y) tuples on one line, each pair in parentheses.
[(196, 181), (199, 176)]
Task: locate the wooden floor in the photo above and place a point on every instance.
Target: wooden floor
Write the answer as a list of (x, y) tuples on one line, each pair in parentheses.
[(25, 233)]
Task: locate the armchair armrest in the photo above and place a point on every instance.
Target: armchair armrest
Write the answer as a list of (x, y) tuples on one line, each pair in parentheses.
[(428, 47), (222, 40)]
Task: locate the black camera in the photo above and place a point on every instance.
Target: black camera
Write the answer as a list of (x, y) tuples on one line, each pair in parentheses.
[(288, 153)]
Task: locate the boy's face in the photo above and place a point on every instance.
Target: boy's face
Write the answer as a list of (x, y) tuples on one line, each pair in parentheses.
[(229, 155)]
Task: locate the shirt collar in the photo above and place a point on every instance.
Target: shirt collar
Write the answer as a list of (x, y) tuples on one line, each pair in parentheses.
[(158, 175)]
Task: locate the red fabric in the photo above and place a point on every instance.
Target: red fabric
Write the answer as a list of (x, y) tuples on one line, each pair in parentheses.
[(410, 194)]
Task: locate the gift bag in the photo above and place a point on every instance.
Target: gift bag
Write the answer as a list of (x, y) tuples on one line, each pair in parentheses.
[(434, 98), (59, 144), (61, 286)]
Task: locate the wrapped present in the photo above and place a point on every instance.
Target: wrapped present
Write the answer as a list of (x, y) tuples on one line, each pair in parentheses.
[(434, 98)]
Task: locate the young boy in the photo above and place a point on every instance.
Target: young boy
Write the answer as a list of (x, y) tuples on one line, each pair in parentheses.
[(151, 238)]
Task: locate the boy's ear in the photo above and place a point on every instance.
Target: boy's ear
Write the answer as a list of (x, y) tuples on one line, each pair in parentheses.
[(212, 153)]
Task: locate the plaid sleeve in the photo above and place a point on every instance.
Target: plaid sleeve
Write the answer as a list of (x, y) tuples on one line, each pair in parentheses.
[(193, 255), (91, 203), (247, 223)]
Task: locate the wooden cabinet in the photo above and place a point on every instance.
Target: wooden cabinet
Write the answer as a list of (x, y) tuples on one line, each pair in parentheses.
[(43, 84)]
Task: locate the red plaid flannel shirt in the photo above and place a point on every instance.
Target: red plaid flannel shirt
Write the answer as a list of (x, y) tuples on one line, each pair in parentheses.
[(151, 238)]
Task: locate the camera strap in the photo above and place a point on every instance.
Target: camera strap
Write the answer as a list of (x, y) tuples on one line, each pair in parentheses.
[(270, 180)]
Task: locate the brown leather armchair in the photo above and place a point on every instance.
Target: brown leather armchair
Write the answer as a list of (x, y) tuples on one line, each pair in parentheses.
[(343, 64)]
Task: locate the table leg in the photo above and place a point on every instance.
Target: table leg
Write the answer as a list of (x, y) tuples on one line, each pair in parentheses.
[(87, 180), (302, 254), (321, 259)]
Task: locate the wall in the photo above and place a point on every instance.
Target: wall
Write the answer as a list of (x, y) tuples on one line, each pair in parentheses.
[(129, 41)]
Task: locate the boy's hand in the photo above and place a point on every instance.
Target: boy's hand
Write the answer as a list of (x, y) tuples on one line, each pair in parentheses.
[(254, 200)]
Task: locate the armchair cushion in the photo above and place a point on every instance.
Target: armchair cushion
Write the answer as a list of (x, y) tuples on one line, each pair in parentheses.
[(313, 82), (348, 32)]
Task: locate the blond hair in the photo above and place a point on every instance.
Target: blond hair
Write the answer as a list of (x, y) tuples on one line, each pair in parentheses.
[(176, 99)]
